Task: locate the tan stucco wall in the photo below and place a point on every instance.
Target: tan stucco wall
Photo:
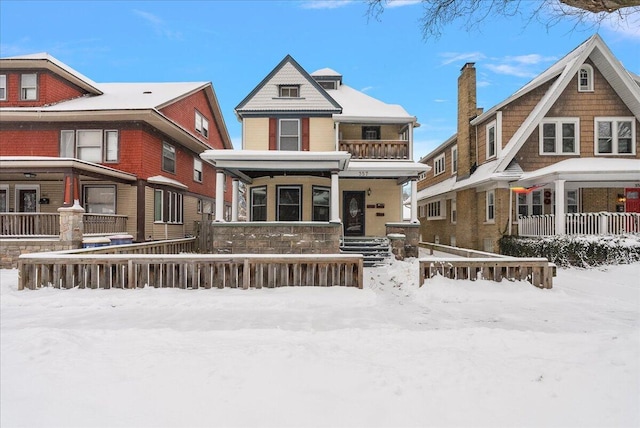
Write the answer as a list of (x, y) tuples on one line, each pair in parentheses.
[(322, 137), (255, 133)]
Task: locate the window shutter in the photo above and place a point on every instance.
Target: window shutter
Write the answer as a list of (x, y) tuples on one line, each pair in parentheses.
[(305, 134), (273, 145)]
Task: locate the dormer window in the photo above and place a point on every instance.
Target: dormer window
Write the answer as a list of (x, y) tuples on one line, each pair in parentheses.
[(328, 84), (585, 78), (289, 91)]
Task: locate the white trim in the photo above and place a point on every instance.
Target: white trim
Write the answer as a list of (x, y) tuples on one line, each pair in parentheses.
[(454, 211), (439, 165), (492, 204), (614, 134), (493, 124), (442, 209), (3, 85), (454, 159), (16, 199), (298, 133), (590, 85), (558, 146)]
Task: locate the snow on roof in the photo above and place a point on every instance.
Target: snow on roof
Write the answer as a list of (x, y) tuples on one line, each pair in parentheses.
[(587, 167), (326, 72), (356, 104), (160, 179)]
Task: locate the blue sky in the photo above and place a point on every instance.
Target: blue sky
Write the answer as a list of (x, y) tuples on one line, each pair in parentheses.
[(234, 44)]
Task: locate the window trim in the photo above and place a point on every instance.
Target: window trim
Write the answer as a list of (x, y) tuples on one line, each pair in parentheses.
[(100, 186), (78, 146), (431, 210), (300, 200), (298, 135), (313, 204), (490, 202), (491, 125), (252, 204), (3, 87), (23, 97), (439, 165), (614, 135), (589, 86), (171, 148), (558, 146), (284, 88), (454, 159), (155, 207), (454, 211), (5, 188), (198, 174), (104, 144), (201, 124)]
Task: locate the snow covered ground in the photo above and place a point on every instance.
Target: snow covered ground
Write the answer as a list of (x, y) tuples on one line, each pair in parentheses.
[(452, 353)]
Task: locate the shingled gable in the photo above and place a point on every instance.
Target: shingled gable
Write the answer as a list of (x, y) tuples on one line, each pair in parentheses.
[(565, 71), (262, 98)]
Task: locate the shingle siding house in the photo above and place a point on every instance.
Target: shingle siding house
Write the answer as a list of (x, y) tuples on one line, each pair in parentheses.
[(319, 153), (128, 153), (559, 156)]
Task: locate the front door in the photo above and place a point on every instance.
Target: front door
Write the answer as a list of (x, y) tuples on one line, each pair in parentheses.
[(353, 213), (27, 200)]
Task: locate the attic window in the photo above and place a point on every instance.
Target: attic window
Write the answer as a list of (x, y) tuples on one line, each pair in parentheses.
[(289, 91), (146, 92), (328, 84), (585, 78)]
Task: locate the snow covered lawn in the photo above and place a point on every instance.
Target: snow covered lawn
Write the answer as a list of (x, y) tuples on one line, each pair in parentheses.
[(452, 353)]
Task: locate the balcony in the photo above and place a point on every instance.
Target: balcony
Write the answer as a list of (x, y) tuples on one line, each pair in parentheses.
[(376, 149)]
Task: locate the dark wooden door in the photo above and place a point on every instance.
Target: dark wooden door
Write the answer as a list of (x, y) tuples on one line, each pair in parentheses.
[(27, 201), (353, 213)]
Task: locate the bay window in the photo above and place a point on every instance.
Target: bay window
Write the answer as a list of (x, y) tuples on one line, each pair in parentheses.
[(289, 203), (259, 203), (321, 203)]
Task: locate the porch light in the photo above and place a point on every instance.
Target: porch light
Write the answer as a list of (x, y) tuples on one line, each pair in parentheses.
[(369, 191), (30, 174), (621, 198)]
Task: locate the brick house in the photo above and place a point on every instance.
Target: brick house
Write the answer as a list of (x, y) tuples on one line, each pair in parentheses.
[(319, 154), (128, 153), (559, 156)]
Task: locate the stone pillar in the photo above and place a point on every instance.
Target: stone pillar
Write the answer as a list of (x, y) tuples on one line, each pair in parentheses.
[(71, 226), (219, 195), (335, 199), (234, 200), (560, 223)]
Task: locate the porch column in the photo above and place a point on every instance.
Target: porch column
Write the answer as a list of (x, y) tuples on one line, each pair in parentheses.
[(410, 154), (71, 192), (335, 198), (219, 196), (414, 201), (560, 214), (337, 128), (234, 200)]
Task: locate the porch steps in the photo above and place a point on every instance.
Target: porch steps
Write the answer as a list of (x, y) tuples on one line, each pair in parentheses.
[(375, 250)]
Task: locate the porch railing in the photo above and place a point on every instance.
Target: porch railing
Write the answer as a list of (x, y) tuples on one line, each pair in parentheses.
[(602, 223), (29, 224), (101, 224), (376, 149)]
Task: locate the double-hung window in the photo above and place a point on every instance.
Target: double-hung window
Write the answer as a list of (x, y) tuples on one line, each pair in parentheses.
[(29, 87), (321, 203), (202, 124), (289, 138), (259, 203), (491, 206), (615, 136), (168, 158), (560, 136), (289, 203), (454, 159), (3, 87), (454, 211), (91, 145), (491, 140), (197, 170), (438, 165)]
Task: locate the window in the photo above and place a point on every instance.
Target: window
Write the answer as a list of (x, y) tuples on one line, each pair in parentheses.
[(422, 211), (438, 165), (585, 78), (491, 206), (4, 198), (199, 206), (99, 199), (572, 201), (29, 87), (560, 136), (168, 158), (530, 203), (167, 206), (289, 91), (158, 205), (289, 203), (91, 145), (197, 170), (321, 203), (328, 84), (491, 140), (259, 204), (3, 87), (454, 160), (370, 132), (454, 211), (615, 136), (422, 176), (202, 124), (434, 210), (289, 134)]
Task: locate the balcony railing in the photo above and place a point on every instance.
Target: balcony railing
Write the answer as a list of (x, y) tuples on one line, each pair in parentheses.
[(22, 225), (602, 223), (376, 149), (29, 224)]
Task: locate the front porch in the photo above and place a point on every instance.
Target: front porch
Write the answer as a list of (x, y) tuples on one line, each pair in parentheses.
[(602, 223), (47, 225)]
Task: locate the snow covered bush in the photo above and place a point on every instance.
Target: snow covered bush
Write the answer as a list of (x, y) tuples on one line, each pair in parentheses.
[(581, 251)]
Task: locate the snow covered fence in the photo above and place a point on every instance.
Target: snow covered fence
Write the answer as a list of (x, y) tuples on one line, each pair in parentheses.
[(538, 271), (64, 270)]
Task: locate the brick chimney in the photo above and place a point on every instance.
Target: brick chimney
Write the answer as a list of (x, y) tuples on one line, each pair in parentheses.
[(467, 110)]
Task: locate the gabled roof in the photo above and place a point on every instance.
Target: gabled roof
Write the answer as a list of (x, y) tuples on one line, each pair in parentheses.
[(265, 96), (44, 60), (564, 72)]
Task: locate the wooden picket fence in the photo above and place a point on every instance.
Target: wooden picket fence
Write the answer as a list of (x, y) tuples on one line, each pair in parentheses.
[(538, 271), (187, 271)]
